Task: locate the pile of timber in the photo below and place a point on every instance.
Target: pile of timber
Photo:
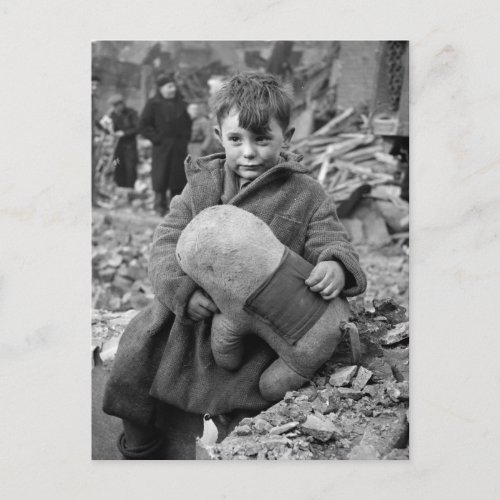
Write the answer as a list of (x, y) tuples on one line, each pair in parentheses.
[(343, 161)]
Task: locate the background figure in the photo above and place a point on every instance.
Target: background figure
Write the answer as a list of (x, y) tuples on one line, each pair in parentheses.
[(202, 134), (166, 123), (123, 123)]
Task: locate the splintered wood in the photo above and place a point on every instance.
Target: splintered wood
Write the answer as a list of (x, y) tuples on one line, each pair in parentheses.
[(342, 157)]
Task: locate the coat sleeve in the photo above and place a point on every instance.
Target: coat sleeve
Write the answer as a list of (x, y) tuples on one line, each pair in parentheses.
[(147, 124), (326, 239), (171, 285)]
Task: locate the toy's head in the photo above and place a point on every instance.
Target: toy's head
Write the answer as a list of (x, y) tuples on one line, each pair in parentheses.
[(229, 252)]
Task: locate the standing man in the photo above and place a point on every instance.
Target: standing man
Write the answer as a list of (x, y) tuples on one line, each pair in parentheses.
[(166, 123)]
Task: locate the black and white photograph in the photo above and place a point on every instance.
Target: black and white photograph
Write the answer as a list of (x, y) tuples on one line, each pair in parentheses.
[(250, 250)]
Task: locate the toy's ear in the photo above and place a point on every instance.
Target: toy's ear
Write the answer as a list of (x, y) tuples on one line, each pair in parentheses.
[(218, 134), (288, 136)]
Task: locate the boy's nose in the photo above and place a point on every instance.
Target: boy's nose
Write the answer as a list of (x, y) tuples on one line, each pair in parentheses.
[(248, 151)]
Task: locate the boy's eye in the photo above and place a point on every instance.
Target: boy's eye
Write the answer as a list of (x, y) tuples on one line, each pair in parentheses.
[(262, 139), (234, 139)]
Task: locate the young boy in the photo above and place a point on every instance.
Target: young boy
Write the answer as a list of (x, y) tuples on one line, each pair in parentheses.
[(165, 355)]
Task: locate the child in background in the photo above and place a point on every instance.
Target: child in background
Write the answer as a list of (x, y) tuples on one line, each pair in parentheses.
[(165, 354), (202, 134)]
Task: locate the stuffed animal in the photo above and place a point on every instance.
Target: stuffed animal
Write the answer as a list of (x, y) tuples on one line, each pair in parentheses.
[(258, 285)]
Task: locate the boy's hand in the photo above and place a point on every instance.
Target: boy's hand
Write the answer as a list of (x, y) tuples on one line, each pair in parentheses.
[(327, 278), (200, 306)]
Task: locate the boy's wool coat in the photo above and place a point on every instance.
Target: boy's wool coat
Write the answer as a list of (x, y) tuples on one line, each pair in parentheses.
[(165, 356)]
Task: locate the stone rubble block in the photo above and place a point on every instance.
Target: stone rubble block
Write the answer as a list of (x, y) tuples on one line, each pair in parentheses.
[(252, 449), (262, 426), (347, 392), (398, 391), (320, 429), (371, 390), (343, 376), (243, 430), (362, 378), (381, 370), (326, 402), (386, 432), (397, 334)]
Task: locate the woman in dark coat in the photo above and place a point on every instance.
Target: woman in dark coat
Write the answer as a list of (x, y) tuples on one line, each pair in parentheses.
[(166, 123), (125, 128)]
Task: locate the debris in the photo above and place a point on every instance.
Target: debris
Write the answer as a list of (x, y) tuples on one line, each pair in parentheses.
[(381, 370), (347, 392), (386, 432), (320, 429), (282, 429), (262, 426), (371, 390), (397, 334), (243, 430), (394, 312), (398, 391), (362, 378), (252, 449), (343, 376)]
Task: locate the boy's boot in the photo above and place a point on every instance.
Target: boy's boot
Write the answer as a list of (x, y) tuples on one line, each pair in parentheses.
[(140, 443)]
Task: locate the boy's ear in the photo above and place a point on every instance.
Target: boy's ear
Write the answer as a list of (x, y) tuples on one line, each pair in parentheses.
[(288, 136), (218, 134)]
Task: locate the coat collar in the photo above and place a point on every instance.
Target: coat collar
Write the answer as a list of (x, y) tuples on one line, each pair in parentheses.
[(206, 178)]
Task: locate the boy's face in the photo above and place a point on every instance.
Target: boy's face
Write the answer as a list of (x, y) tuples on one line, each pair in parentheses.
[(248, 154)]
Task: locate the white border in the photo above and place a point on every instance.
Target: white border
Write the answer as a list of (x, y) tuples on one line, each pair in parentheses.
[(45, 248)]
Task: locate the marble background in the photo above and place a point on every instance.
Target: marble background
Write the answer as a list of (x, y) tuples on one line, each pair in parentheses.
[(45, 247)]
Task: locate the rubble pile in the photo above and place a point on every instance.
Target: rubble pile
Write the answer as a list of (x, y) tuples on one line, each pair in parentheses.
[(353, 166), (120, 251), (347, 412), (343, 155)]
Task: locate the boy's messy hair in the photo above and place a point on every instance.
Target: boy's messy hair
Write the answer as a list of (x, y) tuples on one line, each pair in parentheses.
[(258, 98)]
